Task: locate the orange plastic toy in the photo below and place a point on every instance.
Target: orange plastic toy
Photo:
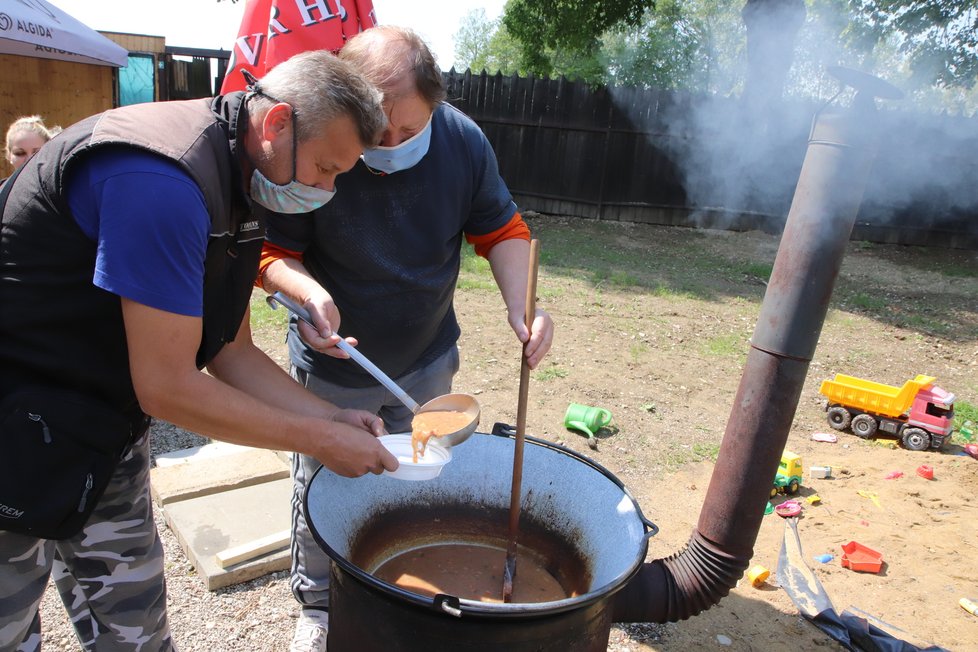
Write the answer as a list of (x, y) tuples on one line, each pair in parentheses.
[(861, 558)]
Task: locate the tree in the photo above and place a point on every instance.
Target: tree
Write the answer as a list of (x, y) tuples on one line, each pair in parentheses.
[(939, 38), (682, 44), (483, 44), (568, 28)]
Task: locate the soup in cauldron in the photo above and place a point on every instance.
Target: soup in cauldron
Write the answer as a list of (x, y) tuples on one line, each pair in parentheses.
[(469, 571)]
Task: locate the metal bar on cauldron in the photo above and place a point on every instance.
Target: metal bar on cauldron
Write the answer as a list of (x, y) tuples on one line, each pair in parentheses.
[(823, 210), (509, 570)]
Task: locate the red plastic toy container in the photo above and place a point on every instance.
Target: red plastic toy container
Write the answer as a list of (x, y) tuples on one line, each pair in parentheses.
[(926, 472), (861, 558)]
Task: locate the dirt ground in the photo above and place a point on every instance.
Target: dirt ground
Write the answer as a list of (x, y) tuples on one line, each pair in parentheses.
[(653, 324), (656, 329)]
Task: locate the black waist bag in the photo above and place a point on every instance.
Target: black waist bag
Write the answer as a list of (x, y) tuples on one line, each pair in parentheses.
[(58, 449)]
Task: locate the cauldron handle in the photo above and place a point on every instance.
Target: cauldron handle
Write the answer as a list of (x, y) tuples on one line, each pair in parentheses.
[(449, 604)]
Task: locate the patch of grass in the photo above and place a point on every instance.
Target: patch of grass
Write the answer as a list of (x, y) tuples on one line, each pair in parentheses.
[(472, 264), (637, 350), (758, 270), (870, 302), (682, 454), (548, 293), (932, 325), (475, 283), (474, 272), (959, 270), (965, 413), (725, 345), (707, 451), (263, 315), (550, 373)]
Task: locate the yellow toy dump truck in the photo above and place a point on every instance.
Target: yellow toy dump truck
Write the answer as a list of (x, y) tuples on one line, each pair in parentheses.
[(919, 414)]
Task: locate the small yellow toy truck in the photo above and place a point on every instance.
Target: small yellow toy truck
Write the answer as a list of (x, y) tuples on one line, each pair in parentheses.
[(919, 414), (788, 478)]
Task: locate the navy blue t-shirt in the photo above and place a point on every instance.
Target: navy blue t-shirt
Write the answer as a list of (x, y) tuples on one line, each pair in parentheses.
[(151, 224), (388, 248)]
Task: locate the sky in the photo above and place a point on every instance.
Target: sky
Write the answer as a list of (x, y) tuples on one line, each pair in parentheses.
[(214, 25)]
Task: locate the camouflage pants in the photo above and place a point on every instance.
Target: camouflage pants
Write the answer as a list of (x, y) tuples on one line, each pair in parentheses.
[(109, 575)]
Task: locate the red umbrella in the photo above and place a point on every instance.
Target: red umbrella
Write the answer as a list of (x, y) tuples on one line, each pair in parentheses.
[(273, 30)]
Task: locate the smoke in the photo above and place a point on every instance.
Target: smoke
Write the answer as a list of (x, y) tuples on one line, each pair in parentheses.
[(740, 155)]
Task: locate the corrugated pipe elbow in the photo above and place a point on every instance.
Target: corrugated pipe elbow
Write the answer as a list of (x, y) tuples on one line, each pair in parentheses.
[(681, 585)]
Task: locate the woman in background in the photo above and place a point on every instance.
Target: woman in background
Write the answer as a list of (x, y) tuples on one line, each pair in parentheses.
[(24, 137)]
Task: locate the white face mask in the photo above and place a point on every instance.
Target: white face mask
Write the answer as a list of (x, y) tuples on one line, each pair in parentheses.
[(293, 197), (400, 157)]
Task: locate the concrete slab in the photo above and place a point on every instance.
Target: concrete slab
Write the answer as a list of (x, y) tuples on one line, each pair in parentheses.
[(210, 524), (209, 471), (207, 451)]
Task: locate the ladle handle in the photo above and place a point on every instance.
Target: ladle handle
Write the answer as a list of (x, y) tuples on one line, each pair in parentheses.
[(350, 350)]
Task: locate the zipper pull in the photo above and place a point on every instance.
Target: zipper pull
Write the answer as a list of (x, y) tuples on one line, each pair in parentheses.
[(44, 427), (89, 481)]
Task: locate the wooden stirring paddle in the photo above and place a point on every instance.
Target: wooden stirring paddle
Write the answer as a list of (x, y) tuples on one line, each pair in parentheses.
[(509, 571)]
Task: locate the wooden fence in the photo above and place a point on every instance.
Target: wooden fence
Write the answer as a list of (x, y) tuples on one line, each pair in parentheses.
[(667, 157)]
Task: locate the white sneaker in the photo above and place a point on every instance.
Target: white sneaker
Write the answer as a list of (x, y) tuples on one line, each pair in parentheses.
[(310, 631)]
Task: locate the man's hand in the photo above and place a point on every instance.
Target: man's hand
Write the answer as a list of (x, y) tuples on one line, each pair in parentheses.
[(351, 449), (538, 340), (323, 337)]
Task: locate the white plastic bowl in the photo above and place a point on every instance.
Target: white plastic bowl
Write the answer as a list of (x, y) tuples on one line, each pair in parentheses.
[(428, 465)]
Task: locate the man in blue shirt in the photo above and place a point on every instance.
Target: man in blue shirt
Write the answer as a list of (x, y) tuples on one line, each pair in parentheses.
[(384, 257)]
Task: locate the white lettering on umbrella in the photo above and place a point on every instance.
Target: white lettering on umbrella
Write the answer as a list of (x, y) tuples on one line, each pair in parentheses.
[(275, 26), (250, 54), (307, 9)]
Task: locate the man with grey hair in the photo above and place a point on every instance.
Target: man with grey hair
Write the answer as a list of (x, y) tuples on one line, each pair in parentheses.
[(129, 252)]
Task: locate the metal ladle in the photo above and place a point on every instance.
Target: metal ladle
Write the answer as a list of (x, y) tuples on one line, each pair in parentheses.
[(446, 402)]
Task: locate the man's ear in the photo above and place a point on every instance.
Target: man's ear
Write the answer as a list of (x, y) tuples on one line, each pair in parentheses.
[(277, 122)]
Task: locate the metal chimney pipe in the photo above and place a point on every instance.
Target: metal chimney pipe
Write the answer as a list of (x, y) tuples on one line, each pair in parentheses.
[(841, 149)]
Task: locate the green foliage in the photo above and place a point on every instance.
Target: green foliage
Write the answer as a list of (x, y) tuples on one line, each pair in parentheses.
[(545, 27), (937, 37), (683, 44), (926, 47), (483, 44)]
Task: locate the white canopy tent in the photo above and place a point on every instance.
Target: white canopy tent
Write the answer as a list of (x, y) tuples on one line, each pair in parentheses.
[(36, 28)]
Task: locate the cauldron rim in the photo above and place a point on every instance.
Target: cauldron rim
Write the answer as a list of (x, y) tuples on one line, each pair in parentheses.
[(442, 602)]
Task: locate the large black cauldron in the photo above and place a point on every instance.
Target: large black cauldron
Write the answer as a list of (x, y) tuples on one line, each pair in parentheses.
[(575, 515)]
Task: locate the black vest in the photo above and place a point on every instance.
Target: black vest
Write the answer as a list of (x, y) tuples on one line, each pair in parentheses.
[(56, 326)]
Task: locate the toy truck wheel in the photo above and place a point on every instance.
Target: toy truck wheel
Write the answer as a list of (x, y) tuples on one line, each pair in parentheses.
[(916, 439), (838, 417), (864, 426), (774, 492), (793, 487)]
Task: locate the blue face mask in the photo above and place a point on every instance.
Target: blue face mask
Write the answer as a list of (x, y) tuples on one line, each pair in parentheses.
[(400, 157), (293, 197)]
